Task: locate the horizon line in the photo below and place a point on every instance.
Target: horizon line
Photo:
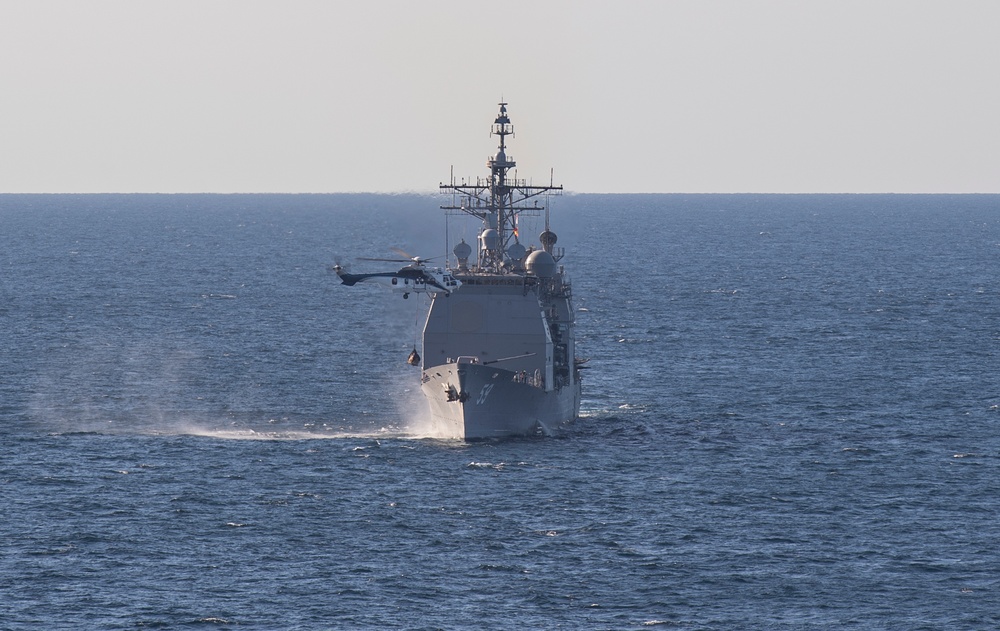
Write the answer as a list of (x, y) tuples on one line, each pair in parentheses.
[(437, 193)]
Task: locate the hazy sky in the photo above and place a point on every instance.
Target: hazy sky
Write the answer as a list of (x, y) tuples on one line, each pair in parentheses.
[(616, 96)]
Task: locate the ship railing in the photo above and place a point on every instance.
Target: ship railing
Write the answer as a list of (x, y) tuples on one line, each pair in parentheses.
[(534, 379), (557, 287), (507, 161)]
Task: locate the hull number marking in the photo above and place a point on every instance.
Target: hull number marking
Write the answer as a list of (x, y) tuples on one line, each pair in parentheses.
[(484, 393)]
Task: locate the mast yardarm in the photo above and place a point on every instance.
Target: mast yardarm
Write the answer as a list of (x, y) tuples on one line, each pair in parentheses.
[(497, 201)]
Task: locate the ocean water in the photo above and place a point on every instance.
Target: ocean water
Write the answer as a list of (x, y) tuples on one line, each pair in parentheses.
[(790, 421)]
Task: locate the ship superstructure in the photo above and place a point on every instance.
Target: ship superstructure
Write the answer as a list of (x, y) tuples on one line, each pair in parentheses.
[(499, 355)]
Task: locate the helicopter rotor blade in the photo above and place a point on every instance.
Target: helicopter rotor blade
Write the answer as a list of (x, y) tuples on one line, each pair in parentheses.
[(412, 260), (416, 259)]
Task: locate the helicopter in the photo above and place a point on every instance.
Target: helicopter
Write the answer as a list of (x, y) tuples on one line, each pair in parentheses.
[(413, 278)]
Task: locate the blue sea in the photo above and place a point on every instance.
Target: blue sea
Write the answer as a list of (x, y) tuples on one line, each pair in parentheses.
[(791, 420)]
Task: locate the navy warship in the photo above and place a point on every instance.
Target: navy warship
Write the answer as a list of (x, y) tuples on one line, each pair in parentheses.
[(499, 351)]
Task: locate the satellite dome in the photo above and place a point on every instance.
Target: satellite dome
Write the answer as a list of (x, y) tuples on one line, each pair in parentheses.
[(516, 251), (489, 239), (463, 250), (548, 239), (541, 264)]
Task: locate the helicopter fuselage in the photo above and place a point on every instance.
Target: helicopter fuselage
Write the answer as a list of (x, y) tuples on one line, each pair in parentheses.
[(406, 281)]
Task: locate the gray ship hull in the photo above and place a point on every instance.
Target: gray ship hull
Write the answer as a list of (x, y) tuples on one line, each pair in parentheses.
[(499, 348), (475, 402)]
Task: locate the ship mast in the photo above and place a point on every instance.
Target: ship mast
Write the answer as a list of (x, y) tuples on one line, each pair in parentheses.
[(497, 201)]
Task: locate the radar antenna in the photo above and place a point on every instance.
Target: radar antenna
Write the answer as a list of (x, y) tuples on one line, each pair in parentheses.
[(498, 200)]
